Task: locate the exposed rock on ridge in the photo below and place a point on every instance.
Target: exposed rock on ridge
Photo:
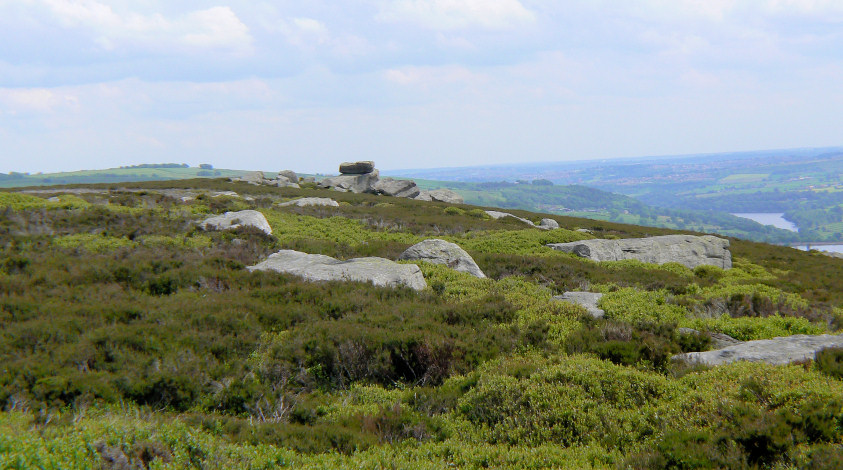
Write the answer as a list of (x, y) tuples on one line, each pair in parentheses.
[(378, 271), (781, 350), (689, 250), (441, 252), (233, 220)]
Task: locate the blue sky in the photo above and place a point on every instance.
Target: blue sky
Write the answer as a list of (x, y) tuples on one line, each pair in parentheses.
[(411, 83)]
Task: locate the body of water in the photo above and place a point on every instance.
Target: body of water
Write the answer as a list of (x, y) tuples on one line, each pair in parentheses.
[(776, 219), (832, 248)]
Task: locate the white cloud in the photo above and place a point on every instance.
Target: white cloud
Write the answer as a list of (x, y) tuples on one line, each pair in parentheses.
[(212, 28), (34, 100), (426, 77), (459, 14)]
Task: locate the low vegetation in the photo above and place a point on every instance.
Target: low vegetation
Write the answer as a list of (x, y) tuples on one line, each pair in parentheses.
[(128, 336)]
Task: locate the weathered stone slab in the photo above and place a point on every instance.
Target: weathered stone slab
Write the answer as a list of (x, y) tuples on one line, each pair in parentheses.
[(311, 201), (442, 252), (777, 351), (440, 195), (397, 188), (689, 250), (588, 300), (378, 271), (357, 168), (233, 220), (548, 224)]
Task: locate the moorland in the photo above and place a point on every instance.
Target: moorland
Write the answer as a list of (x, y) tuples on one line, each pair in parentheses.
[(130, 336)]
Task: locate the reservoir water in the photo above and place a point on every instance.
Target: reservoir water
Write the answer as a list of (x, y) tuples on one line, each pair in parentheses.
[(776, 219)]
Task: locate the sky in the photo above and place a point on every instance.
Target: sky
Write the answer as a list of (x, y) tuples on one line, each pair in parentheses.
[(305, 85)]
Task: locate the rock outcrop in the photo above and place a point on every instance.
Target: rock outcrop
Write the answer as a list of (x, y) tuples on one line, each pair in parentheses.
[(587, 300), (546, 224), (311, 201), (357, 168), (355, 183), (781, 350), (397, 188), (441, 252), (440, 195), (233, 220), (378, 271), (284, 179), (549, 224), (689, 250)]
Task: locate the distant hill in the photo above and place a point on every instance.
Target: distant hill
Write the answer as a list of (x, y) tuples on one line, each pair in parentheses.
[(804, 184), (145, 172)]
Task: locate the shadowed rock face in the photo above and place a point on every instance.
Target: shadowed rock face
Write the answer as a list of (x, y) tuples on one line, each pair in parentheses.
[(355, 183), (378, 271), (441, 252), (233, 220), (689, 250), (357, 168), (397, 188), (777, 351), (587, 300)]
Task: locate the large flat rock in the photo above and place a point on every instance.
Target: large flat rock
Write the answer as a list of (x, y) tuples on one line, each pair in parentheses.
[(781, 350), (311, 201), (378, 271), (442, 252), (233, 220), (689, 250)]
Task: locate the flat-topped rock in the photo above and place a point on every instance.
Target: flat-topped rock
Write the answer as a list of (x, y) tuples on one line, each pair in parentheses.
[(777, 351), (442, 252), (689, 250), (311, 201), (440, 195), (233, 220), (587, 300), (357, 168), (397, 188), (500, 215), (378, 271)]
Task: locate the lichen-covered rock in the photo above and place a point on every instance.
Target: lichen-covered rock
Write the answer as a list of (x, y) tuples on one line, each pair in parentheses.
[(363, 183), (357, 168), (440, 195), (233, 220), (397, 188), (311, 201), (777, 351), (254, 177), (587, 300), (290, 175), (548, 224), (689, 250), (378, 271), (441, 252)]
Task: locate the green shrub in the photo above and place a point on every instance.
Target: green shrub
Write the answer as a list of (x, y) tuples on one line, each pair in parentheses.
[(829, 361), (451, 210)]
